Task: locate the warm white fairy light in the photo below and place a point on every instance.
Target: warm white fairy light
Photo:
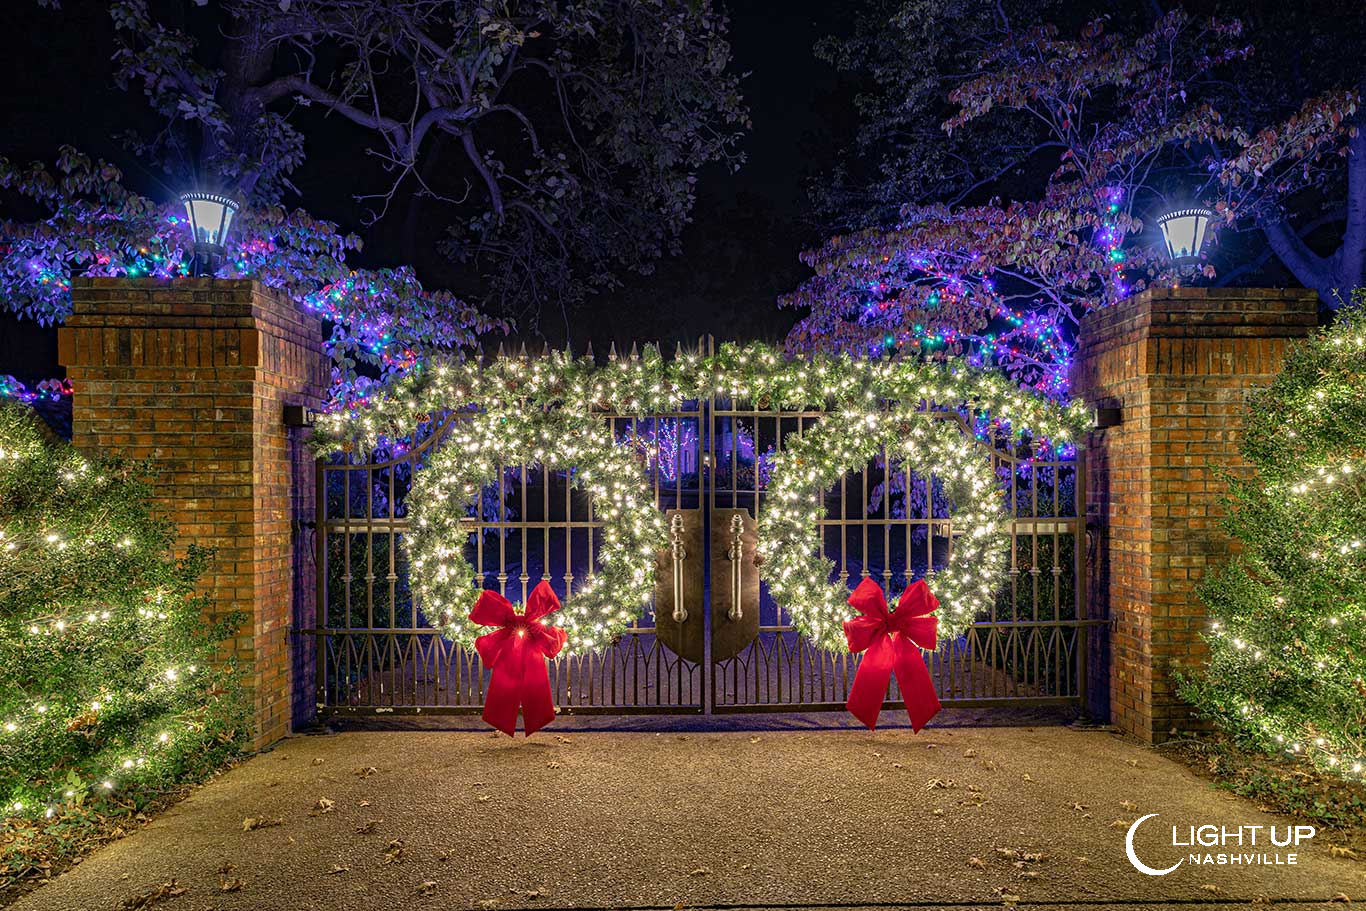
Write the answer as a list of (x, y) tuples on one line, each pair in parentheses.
[(789, 534), (647, 383), (519, 399), (446, 489)]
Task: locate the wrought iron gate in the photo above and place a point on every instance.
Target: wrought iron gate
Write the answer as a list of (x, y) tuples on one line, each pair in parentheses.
[(713, 641)]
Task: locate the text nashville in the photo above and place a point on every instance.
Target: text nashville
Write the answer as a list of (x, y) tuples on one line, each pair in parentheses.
[(1243, 837)]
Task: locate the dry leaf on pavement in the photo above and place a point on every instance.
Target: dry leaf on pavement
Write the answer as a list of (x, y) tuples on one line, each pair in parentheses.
[(160, 894), (252, 823)]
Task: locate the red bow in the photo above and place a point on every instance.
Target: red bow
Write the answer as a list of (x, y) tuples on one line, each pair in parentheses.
[(893, 641), (517, 653)]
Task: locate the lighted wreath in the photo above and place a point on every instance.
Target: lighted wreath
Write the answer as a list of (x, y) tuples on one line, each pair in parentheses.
[(799, 578), (446, 491)]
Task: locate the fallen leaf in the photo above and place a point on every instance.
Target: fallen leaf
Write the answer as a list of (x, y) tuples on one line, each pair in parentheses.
[(563, 739), (754, 740), (700, 871), (1132, 762), (395, 853), (969, 753), (553, 765), (161, 893), (366, 772), (1341, 851), (938, 812), (368, 827), (977, 862), (322, 806), (337, 868), (1128, 805), (1121, 823), (1341, 897), (317, 762), (252, 823), (1078, 806), (942, 783), (443, 855), (229, 885), (482, 797), (1211, 888), (365, 803), (426, 888), (1028, 777), (1030, 874), (1009, 899)]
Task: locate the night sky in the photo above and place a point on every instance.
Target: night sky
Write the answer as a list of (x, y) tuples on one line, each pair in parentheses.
[(739, 254)]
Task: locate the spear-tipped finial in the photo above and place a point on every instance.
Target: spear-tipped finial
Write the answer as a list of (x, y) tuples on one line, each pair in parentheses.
[(612, 352)]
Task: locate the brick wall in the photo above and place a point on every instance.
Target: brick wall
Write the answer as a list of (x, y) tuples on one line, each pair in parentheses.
[(193, 374), (1180, 364)]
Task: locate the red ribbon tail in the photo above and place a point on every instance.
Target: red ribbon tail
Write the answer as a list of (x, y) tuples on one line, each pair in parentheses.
[(504, 693), (917, 689), (870, 683), (538, 703)]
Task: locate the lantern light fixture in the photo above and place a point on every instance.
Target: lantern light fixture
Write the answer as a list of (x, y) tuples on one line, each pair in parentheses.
[(1184, 232), (210, 217)]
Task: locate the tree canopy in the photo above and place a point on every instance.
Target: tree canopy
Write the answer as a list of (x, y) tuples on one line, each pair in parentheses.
[(557, 144), (1008, 173)]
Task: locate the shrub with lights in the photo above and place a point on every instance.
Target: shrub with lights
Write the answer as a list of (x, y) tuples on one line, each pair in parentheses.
[(1287, 664), (110, 691)]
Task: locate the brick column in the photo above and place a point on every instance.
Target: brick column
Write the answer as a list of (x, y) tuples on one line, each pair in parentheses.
[(193, 375), (1179, 364)]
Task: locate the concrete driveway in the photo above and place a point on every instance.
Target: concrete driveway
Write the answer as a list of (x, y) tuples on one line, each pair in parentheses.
[(962, 817)]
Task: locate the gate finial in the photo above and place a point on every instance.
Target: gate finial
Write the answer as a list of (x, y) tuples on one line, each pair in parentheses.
[(612, 352), (635, 355)]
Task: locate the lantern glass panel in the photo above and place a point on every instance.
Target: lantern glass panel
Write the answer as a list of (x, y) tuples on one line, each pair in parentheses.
[(1184, 233)]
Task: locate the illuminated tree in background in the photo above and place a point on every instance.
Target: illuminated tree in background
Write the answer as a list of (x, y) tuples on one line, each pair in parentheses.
[(381, 319), (111, 688), (1122, 128), (1287, 667), (555, 148)]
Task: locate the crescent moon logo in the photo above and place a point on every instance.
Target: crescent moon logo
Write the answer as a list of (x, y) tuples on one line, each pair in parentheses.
[(1139, 865)]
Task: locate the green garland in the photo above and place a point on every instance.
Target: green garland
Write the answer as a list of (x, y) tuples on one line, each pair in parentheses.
[(547, 410), (444, 493), (798, 576), (647, 383)]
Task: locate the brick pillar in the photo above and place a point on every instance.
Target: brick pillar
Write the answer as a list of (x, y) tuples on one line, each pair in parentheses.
[(1179, 364), (193, 375)]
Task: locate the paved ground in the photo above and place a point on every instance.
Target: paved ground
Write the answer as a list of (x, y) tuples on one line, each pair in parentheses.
[(966, 817)]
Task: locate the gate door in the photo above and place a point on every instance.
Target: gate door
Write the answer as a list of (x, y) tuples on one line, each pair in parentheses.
[(713, 640)]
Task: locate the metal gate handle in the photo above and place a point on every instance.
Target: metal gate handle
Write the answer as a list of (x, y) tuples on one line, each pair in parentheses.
[(737, 579), (679, 554)]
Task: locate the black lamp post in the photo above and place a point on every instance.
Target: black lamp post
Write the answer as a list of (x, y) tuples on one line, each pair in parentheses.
[(210, 220)]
